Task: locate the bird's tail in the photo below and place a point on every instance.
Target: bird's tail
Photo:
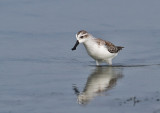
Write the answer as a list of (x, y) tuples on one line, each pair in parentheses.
[(119, 48)]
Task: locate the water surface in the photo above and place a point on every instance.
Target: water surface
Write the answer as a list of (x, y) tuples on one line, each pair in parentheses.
[(40, 74)]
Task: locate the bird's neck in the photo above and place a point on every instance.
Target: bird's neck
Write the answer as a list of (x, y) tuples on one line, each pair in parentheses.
[(89, 44)]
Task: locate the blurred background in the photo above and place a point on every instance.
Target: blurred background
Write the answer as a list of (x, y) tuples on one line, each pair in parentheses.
[(38, 68)]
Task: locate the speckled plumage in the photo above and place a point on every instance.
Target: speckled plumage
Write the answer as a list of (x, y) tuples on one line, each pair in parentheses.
[(98, 49)]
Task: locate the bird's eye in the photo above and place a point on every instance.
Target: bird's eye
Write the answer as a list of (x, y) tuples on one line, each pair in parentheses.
[(81, 37)]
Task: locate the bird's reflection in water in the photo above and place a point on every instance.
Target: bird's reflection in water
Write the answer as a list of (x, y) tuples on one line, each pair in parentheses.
[(100, 80)]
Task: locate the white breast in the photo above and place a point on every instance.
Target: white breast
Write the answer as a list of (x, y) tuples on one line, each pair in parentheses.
[(98, 52)]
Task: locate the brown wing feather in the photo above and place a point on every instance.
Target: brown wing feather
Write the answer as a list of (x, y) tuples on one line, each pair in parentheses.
[(111, 47)]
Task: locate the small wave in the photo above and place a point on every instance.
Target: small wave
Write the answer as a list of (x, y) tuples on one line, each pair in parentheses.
[(134, 65)]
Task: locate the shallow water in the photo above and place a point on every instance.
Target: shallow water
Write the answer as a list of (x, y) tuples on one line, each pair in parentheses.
[(40, 74)]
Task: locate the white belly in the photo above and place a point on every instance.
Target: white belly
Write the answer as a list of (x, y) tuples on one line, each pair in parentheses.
[(98, 52)]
